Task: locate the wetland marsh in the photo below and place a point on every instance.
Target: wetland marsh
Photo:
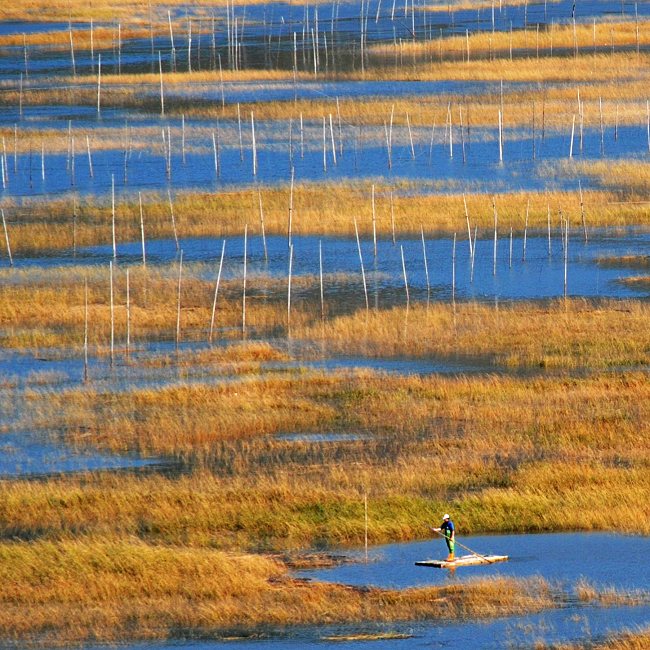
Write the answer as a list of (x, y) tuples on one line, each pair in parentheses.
[(280, 284)]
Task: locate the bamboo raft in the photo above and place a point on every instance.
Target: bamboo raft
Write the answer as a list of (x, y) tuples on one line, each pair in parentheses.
[(463, 560)]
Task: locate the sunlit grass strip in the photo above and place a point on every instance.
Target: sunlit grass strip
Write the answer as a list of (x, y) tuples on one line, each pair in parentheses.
[(625, 262), (585, 37), (561, 334), (37, 315), (125, 590), (626, 88), (319, 209), (638, 283), (595, 68), (460, 5), (631, 174), (558, 104), (56, 40), (106, 10)]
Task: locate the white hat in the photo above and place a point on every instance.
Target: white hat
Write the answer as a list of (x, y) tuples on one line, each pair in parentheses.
[(445, 516)]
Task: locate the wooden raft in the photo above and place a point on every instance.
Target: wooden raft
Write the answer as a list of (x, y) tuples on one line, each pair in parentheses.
[(463, 560)]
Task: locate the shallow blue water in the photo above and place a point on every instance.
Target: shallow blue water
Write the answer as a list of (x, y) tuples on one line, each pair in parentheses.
[(516, 633), (539, 276), (473, 167), (605, 559), (24, 454)]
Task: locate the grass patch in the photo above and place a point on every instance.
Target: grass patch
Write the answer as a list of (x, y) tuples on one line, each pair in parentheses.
[(319, 209), (560, 334), (110, 591)]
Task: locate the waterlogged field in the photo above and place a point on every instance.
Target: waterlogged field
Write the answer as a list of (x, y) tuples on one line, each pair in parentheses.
[(280, 284)]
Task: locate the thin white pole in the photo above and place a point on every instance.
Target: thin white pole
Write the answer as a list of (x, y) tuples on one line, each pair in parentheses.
[(171, 211), (99, 82), (365, 515), (332, 138), (74, 66), (451, 131), (110, 270), (144, 255), (647, 113), (254, 144), (363, 272), (500, 137), (374, 221), (216, 157), (85, 375), (216, 291), (266, 255), (113, 215), (290, 224), (392, 216), (92, 46), (582, 212), (241, 143), (243, 303), (183, 137), (90, 160), (162, 91), (128, 315), (494, 252), (408, 124), (453, 271), (426, 265), (324, 146), (178, 300), (302, 138), (548, 227), (566, 255), (289, 287), (4, 226), (469, 230), (320, 274), (523, 257), (406, 282), (510, 251)]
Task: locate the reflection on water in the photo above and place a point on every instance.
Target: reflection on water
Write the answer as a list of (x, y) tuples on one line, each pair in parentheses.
[(539, 276), (474, 165), (25, 454)]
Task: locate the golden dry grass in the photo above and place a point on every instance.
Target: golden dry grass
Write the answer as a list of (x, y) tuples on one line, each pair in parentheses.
[(132, 11), (319, 209), (529, 454), (121, 590), (607, 35), (638, 283), (561, 334), (625, 261), (623, 94), (633, 175)]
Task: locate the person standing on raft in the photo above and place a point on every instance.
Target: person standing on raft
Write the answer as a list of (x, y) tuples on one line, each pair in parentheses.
[(447, 529)]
